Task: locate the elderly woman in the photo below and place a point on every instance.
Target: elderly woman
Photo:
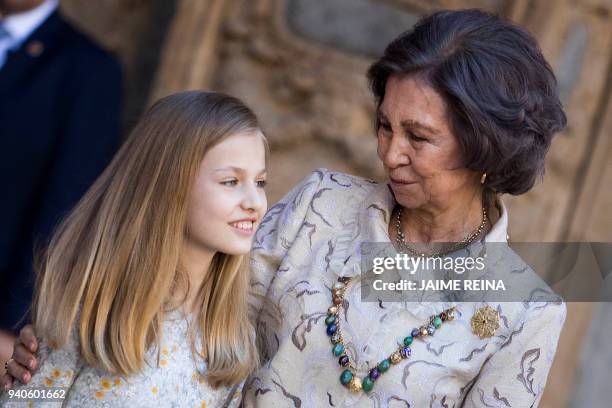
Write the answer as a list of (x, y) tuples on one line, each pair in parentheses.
[(466, 110)]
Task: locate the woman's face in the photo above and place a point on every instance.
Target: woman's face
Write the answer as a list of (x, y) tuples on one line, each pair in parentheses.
[(228, 198), (419, 152)]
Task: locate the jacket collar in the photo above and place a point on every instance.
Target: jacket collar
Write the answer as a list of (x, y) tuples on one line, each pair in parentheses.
[(21, 62), (378, 207), (372, 226), (21, 26)]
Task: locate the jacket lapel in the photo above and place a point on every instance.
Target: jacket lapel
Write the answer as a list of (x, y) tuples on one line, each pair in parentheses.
[(21, 63)]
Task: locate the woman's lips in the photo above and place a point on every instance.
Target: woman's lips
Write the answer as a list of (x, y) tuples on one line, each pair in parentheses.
[(401, 183)]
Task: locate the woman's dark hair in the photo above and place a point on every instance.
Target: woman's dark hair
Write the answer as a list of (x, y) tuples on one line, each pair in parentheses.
[(500, 91)]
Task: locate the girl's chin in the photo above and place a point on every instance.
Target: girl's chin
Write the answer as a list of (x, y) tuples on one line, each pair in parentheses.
[(237, 250)]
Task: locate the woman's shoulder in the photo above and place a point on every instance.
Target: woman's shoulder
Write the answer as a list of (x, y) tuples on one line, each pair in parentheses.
[(338, 181), (323, 202), (330, 188), (323, 197)]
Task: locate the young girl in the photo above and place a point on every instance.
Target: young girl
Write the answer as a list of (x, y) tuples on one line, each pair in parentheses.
[(141, 298)]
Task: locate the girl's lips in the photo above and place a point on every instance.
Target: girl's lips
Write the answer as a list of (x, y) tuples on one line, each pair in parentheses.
[(243, 227), (243, 232)]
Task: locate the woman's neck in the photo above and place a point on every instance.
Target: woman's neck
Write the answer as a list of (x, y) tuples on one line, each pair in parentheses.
[(449, 223), (195, 262)]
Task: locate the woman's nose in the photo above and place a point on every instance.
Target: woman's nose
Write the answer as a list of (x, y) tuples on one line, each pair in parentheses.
[(397, 154)]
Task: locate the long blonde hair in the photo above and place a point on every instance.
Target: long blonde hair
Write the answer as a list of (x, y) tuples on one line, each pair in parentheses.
[(112, 266)]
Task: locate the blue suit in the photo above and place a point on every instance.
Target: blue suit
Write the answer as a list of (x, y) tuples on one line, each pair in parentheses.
[(60, 98)]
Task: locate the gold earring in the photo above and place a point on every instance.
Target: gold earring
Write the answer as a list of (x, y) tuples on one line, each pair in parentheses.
[(483, 178)]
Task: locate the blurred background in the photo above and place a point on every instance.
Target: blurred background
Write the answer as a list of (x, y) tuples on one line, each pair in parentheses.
[(300, 64)]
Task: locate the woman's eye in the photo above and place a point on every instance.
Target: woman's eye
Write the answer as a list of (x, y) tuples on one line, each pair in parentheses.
[(416, 138), (385, 126), (384, 130), (230, 183), (261, 183)]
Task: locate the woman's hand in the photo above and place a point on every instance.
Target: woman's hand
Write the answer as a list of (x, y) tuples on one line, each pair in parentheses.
[(23, 361)]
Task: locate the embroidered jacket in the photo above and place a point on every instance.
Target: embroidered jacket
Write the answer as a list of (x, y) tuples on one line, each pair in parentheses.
[(312, 237)]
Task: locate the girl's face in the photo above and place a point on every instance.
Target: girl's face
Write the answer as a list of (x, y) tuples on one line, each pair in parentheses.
[(228, 198)]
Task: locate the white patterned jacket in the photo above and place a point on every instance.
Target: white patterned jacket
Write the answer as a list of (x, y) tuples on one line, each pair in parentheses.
[(312, 237)]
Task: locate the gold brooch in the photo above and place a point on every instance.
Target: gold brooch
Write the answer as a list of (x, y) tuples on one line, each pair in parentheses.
[(485, 321)]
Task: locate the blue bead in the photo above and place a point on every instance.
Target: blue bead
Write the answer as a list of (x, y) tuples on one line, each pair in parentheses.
[(415, 332), (405, 352), (384, 365), (346, 377), (431, 329), (331, 329), (330, 319), (338, 349)]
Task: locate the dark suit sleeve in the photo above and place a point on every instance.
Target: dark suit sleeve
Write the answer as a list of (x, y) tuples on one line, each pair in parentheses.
[(89, 137)]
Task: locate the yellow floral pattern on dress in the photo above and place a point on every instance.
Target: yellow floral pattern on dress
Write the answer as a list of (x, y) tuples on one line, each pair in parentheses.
[(173, 381)]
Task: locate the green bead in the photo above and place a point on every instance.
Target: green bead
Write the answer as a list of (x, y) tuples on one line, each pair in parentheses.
[(367, 384), (408, 340), (346, 377), (437, 322), (330, 319), (338, 349), (384, 365)]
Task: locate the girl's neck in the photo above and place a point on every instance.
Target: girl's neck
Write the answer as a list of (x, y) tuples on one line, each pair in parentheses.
[(195, 261)]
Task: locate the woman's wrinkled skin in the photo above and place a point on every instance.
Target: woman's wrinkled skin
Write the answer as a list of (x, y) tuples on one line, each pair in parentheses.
[(442, 200)]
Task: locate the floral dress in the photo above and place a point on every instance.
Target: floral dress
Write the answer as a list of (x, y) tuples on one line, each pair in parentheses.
[(169, 378)]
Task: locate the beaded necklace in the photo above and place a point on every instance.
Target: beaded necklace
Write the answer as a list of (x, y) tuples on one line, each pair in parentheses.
[(349, 376)]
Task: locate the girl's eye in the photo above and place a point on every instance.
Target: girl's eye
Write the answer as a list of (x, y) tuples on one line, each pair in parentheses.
[(261, 183), (230, 183)]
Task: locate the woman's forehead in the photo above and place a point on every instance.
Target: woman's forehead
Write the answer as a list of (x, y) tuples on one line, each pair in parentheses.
[(413, 103)]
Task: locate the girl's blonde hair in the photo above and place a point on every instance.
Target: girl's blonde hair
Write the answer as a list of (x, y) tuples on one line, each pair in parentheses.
[(114, 261)]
